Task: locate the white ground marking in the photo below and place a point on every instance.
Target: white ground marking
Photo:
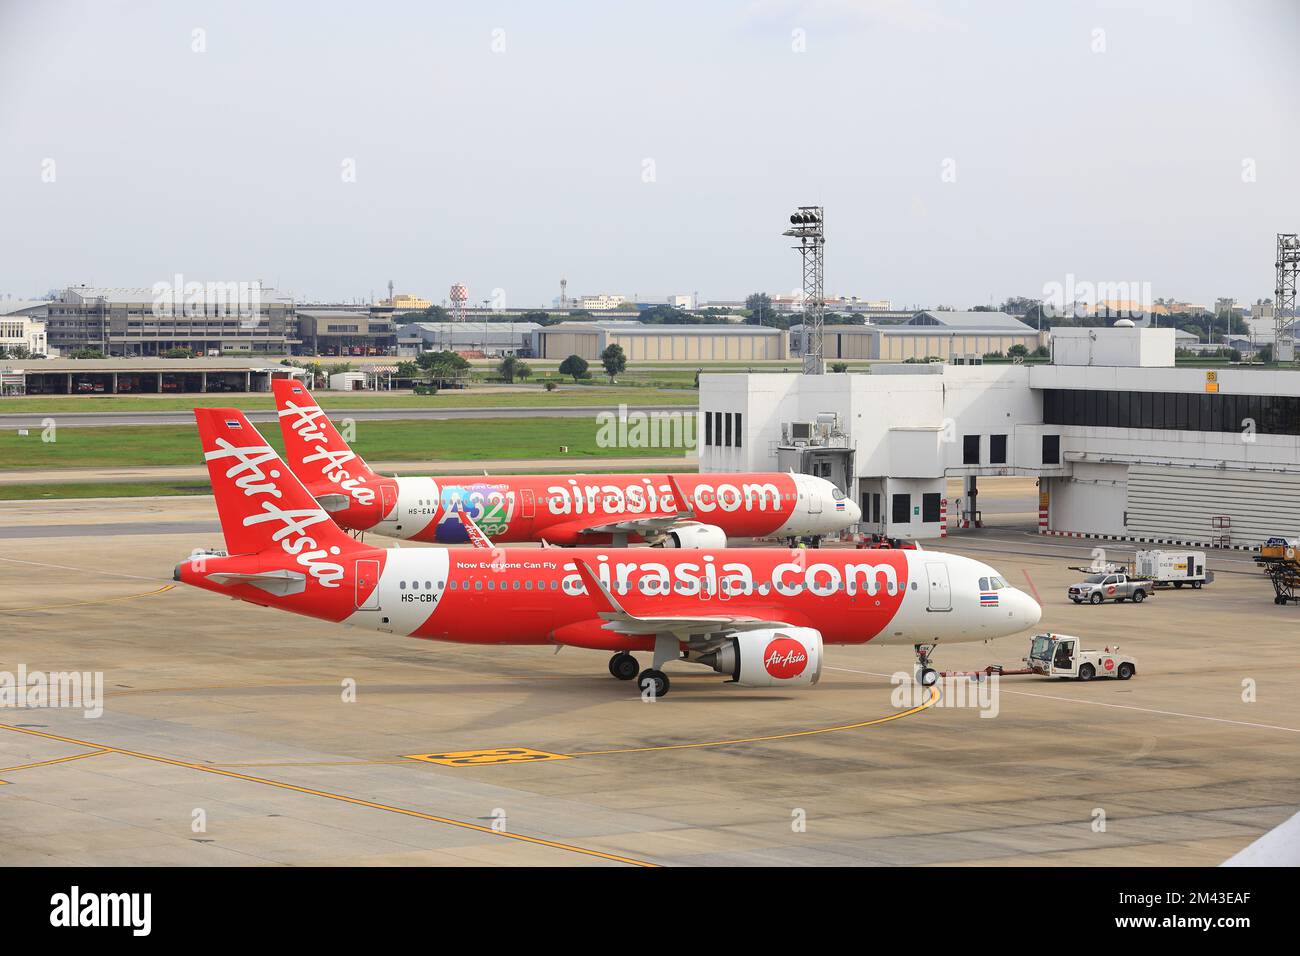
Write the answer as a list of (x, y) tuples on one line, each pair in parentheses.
[(1102, 703)]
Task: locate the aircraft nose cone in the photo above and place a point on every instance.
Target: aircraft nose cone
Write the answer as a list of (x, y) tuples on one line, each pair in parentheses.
[(1033, 611)]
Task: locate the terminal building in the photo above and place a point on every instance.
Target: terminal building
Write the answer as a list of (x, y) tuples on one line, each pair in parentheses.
[(661, 343), (1124, 444)]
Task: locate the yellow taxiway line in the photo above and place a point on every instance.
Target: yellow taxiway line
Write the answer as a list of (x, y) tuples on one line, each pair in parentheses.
[(56, 607), (355, 801), (500, 755), (934, 699)]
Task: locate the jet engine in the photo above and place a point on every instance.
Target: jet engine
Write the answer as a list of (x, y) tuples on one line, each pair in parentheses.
[(696, 537), (773, 657)]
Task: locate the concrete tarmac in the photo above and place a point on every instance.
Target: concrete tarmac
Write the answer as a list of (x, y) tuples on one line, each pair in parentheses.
[(233, 734)]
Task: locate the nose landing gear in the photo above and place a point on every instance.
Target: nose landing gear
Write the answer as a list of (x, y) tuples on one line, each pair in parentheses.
[(926, 675)]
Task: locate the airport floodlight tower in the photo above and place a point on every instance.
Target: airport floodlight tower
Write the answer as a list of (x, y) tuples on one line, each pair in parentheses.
[(806, 225), (1284, 313), (564, 293)]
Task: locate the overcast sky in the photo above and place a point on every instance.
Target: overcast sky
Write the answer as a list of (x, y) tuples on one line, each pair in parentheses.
[(964, 151)]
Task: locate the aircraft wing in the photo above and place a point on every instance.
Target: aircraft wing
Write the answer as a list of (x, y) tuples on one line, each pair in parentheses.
[(621, 622), (635, 524), (646, 525)]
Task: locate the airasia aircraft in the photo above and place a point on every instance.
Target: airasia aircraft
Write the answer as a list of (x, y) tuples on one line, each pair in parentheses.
[(759, 616), (686, 511)]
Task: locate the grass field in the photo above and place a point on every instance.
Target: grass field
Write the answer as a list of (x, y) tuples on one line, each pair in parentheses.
[(456, 440), (159, 489), (529, 396)]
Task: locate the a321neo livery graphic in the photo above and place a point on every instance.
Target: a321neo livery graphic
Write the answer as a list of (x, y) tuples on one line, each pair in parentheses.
[(759, 616), (562, 510)]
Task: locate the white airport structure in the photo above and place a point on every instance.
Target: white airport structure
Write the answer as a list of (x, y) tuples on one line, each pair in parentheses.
[(1124, 444)]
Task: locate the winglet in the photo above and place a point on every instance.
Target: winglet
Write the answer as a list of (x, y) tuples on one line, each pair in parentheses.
[(682, 510), (476, 535), (597, 590)]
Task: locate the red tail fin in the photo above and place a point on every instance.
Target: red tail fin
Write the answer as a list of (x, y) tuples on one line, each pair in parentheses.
[(314, 448), (261, 504)]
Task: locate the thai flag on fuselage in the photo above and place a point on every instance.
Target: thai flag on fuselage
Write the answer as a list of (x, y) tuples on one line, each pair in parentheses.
[(233, 424), (839, 506), (988, 599)]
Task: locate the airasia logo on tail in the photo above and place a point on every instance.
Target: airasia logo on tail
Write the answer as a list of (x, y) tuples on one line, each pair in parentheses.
[(785, 658)]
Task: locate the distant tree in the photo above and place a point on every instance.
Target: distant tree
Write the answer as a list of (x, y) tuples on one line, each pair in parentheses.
[(537, 318), (512, 367), (626, 307), (839, 366), (441, 366), (550, 386), (667, 315), (1018, 305), (436, 313), (1042, 352), (86, 354), (18, 352), (614, 360), (179, 353), (1018, 351), (759, 306), (575, 366), (407, 370)]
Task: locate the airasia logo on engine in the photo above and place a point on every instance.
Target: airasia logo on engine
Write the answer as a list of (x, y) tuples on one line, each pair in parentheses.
[(785, 658)]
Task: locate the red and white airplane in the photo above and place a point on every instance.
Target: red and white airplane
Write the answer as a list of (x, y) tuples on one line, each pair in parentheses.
[(563, 510), (759, 616)]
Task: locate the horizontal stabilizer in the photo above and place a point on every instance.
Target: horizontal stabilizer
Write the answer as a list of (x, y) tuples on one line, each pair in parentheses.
[(280, 583)]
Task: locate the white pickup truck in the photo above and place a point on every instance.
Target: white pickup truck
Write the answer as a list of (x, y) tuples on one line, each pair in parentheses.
[(1114, 586)]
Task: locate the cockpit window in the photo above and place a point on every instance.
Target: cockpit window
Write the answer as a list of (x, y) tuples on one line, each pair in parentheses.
[(837, 494), (992, 584)]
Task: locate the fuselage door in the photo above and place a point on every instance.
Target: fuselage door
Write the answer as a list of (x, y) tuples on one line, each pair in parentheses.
[(366, 594), (940, 588), (526, 503), (814, 501), (388, 495)]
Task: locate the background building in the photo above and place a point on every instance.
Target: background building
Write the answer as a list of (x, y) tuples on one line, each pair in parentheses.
[(131, 322), (489, 339), (1124, 444), (141, 376), (346, 332), (942, 335), (661, 343), (22, 327)]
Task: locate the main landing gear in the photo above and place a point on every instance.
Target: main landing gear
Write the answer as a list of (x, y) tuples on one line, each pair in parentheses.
[(624, 666), (652, 681), (926, 675)]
